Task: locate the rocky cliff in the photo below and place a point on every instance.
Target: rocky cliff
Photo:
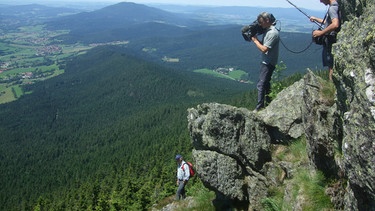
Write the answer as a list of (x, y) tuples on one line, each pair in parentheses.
[(235, 150)]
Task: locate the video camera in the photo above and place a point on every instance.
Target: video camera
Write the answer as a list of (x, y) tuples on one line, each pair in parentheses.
[(251, 30), (255, 28)]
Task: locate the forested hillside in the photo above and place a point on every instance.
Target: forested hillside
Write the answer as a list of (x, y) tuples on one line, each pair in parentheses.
[(101, 135), (223, 46)]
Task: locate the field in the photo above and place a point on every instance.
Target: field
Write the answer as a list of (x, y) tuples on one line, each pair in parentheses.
[(227, 73), (30, 54)]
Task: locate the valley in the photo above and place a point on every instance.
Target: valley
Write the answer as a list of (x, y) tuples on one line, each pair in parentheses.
[(33, 53)]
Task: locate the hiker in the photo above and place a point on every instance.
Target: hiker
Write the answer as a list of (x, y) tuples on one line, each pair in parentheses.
[(183, 175), (332, 26), (270, 55)]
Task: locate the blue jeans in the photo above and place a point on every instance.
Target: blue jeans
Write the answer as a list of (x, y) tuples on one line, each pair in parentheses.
[(180, 190), (264, 85)]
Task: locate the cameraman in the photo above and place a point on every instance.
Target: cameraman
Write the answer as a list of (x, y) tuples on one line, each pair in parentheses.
[(332, 26), (270, 54)]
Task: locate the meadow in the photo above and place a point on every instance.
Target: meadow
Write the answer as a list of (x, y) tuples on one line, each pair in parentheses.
[(237, 75)]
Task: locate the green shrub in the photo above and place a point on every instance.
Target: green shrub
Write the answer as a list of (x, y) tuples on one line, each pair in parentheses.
[(276, 81), (280, 82), (305, 186)]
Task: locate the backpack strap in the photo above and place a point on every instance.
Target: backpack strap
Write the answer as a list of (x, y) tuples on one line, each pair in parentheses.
[(182, 166)]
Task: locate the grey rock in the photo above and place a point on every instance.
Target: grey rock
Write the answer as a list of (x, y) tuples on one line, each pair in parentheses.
[(322, 127), (230, 148), (355, 70), (284, 113)]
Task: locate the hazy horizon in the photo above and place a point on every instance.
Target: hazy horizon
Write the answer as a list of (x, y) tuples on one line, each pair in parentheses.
[(306, 4)]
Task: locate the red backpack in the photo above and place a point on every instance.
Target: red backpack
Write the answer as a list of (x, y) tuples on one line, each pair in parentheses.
[(191, 169)]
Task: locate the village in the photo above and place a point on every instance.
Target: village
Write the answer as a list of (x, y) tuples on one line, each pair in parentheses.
[(227, 70), (223, 70)]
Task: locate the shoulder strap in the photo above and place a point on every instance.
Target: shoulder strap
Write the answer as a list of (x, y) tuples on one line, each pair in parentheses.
[(339, 17), (182, 166), (325, 17)]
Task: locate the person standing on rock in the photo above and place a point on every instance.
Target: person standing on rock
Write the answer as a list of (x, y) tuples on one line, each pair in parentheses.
[(332, 26), (183, 175), (269, 46)]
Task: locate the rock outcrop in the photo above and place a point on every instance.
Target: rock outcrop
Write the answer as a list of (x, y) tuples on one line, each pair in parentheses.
[(355, 82), (233, 146)]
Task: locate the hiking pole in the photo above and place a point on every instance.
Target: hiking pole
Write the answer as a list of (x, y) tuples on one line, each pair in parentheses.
[(308, 16)]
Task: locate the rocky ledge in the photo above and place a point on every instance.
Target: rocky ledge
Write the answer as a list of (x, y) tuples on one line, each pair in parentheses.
[(234, 147)]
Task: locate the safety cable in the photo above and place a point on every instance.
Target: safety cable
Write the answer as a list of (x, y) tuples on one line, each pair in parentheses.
[(296, 52), (288, 49)]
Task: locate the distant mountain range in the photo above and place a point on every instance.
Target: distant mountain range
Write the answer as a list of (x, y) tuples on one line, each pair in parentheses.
[(35, 10), (21, 15), (200, 37), (196, 41), (240, 14), (121, 15), (128, 20)]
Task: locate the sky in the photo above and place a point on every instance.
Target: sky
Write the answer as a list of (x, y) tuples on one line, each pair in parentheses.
[(306, 4)]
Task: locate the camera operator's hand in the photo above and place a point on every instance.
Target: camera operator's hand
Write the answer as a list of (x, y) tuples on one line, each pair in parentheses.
[(317, 33), (259, 45)]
